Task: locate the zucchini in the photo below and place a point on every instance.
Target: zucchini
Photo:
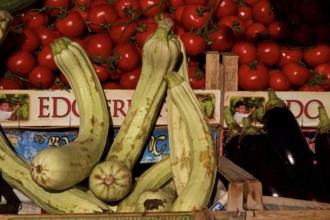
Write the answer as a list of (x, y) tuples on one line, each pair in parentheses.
[(13, 6), (155, 177), (15, 171), (5, 22), (63, 167), (203, 160), (160, 54), (178, 135), (157, 200)]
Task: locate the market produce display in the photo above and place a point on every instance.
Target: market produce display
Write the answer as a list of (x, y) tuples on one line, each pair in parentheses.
[(282, 45), (58, 171)]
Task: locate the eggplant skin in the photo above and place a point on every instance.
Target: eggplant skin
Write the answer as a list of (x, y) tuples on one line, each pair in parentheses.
[(262, 160), (286, 134), (232, 151)]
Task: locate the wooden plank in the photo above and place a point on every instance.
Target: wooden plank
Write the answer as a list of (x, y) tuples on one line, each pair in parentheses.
[(225, 215), (253, 196), (213, 73), (235, 197), (288, 215), (244, 190), (232, 172), (229, 61), (280, 203)]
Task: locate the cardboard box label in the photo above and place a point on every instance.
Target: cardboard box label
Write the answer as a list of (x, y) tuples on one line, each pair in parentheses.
[(304, 105), (59, 108), (27, 143)]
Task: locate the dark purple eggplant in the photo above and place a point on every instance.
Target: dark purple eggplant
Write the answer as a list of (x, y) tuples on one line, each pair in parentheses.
[(322, 141), (231, 145), (284, 131), (262, 159), (322, 154)]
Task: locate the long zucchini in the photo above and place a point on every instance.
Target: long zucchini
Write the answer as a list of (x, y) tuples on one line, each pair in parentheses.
[(203, 167), (63, 167), (13, 6), (16, 173), (160, 54)]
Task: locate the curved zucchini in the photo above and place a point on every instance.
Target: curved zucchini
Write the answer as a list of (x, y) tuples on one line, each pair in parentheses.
[(63, 167), (160, 54), (203, 169), (16, 173)]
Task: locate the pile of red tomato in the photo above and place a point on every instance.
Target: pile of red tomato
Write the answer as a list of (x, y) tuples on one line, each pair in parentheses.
[(282, 44)]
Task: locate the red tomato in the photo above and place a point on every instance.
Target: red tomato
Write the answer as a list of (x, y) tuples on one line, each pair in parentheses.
[(190, 2), (302, 35), (196, 77), (253, 77), (289, 55), (28, 40), (154, 6), (101, 16), (324, 70), (246, 51), (143, 32), (194, 44), (82, 11), (8, 83), (99, 44), (244, 12), (63, 79), (234, 23), (122, 30), (316, 55), (33, 19), (279, 81), (311, 88), (194, 17), (130, 79), (313, 12), (322, 33), (45, 58), (222, 39), (56, 7), (102, 72), (178, 14), (47, 35), (256, 32), (111, 85), (268, 52), (297, 73), (115, 74), (225, 8), (250, 2), (71, 26), (129, 57), (176, 3), (20, 62), (41, 77), (83, 3), (127, 8), (279, 30), (263, 12)]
